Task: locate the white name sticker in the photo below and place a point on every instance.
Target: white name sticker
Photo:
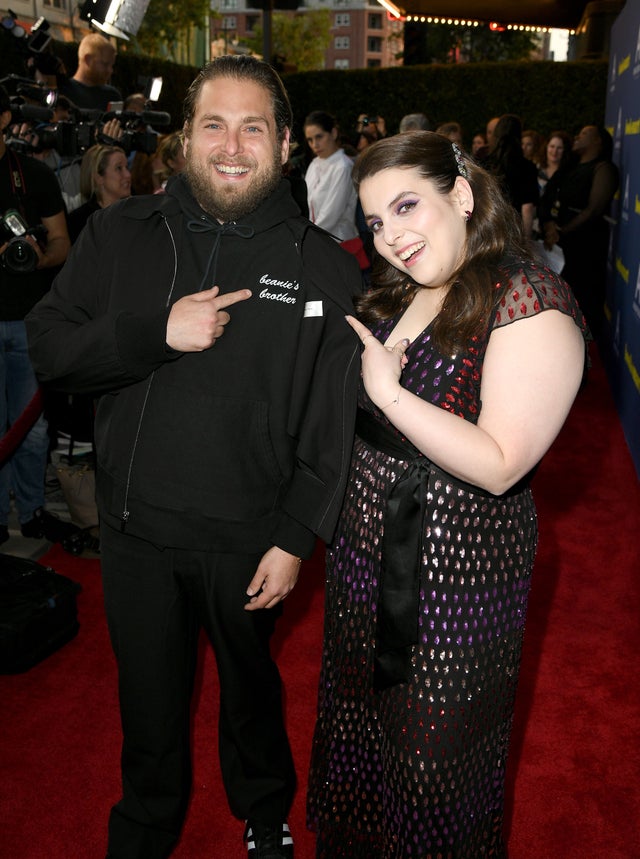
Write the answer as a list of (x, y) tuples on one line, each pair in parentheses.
[(313, 308)]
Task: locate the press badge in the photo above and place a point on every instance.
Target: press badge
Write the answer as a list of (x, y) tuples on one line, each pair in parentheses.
[(313, 308)]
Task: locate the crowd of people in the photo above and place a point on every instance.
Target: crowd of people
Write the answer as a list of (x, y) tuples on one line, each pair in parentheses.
[(560, 185), (253, 396)]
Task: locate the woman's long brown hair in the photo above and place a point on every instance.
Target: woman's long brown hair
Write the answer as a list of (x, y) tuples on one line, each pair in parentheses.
[(493, 234)]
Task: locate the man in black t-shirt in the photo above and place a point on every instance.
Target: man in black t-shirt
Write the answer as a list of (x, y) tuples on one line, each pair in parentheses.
[(89, 87), (30, 189)]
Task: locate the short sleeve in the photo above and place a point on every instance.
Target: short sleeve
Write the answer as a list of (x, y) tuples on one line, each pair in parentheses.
[(532, 289), (43, 190)]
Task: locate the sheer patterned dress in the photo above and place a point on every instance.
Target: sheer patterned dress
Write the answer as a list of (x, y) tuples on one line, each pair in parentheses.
[(416, 770)]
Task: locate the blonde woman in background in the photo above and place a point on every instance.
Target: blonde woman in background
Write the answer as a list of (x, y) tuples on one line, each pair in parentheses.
[(104, 179)]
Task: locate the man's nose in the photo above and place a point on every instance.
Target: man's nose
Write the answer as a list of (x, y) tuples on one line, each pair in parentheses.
[(232, 143)]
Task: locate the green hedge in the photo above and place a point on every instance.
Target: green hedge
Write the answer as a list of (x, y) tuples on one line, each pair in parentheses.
[(546, 95)]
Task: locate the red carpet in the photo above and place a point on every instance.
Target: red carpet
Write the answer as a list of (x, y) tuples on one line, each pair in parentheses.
[(574, 780)]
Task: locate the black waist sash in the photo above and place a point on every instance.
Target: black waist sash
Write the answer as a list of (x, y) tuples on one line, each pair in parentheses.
[(399, 597)]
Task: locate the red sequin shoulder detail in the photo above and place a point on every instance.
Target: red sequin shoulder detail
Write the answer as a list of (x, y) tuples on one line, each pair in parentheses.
[(533, 289)]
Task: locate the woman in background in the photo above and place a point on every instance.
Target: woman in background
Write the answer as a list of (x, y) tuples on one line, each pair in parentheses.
[(104, 179), (330, 192), (168, 160), (556, 155), (517, 175), (573, 214), (532, 145)]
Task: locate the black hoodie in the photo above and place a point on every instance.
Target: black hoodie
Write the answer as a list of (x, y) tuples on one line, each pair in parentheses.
[(235, 448)]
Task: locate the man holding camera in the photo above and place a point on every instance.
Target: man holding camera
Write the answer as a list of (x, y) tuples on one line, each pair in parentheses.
[(33, 245)]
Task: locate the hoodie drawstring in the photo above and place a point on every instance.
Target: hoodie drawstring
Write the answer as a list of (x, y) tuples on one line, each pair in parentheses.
[(205, 226)]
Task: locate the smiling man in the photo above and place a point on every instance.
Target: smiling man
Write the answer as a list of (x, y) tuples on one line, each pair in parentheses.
[(220, 458)]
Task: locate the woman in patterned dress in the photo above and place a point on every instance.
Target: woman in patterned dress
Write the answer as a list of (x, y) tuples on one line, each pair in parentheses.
[(472, 357)]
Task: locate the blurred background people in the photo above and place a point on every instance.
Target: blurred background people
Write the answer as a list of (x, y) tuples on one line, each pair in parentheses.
[(483, 153), (330, 192), (573, 214), (168, 160), (415, 122), (518, 176), (452, 131), (33, 246), (89, 88), (104, 179), (369, 128), (532, 143), (478, 143), (555, 155)]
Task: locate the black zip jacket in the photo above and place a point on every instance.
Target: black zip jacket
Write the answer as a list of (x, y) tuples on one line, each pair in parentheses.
[(236, 448)]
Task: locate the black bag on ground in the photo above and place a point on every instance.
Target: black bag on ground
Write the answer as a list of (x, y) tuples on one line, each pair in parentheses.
[(38, 612)]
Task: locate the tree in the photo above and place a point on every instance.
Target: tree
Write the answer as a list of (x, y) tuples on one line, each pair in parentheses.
[(168, 24), (299, 40), (438, 43)]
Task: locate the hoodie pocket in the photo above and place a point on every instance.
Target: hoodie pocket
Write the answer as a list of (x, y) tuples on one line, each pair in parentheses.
[(205, 454)]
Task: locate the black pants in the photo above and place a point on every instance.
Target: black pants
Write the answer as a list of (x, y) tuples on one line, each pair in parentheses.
[(156, 602)]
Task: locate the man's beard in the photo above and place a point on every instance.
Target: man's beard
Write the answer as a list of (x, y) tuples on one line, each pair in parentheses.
[(230, 203)]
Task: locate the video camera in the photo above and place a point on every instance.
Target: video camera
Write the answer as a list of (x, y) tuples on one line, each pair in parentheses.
[(71, 138), (19, 256), (137, 132), (26, 92)]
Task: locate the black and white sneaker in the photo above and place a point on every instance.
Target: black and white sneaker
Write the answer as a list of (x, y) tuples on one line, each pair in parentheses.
[(268, 842)]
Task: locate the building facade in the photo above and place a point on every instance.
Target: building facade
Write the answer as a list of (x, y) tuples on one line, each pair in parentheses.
[(65, 24), (363, 34)]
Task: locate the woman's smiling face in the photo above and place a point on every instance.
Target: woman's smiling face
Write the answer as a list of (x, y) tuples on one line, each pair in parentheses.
[(555, 150), (416, 228)]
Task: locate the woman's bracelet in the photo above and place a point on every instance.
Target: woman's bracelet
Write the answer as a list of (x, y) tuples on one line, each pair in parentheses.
[(393, 402)]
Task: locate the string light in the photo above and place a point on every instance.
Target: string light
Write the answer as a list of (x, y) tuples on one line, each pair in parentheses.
[(455, 22)]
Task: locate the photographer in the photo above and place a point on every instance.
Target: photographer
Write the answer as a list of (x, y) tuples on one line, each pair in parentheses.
[(369, 128), (33, 245)]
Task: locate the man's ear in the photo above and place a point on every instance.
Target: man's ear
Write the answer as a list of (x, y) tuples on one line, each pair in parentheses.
[(185, 138), (285, 145)]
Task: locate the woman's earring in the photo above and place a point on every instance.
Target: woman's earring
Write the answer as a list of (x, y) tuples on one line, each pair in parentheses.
[(467, 215)]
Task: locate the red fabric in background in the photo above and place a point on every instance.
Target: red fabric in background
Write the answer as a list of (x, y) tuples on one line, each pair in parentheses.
[(574, 783)]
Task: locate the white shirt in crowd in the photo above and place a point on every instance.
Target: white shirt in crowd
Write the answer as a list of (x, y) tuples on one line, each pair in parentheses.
[(331, 195)]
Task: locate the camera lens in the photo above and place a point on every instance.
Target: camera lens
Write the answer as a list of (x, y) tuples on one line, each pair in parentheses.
[(19, 256)]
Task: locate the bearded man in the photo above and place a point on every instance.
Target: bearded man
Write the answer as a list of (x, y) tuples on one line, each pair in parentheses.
[(220, 458), (89, 88)]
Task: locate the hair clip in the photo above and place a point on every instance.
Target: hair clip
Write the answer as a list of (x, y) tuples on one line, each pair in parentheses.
[(462, 167)]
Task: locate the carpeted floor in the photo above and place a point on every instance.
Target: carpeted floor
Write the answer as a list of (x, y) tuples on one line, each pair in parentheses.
[(574, 788)]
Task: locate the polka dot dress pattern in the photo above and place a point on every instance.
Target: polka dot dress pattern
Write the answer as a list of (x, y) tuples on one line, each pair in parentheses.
[(417, 771)]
